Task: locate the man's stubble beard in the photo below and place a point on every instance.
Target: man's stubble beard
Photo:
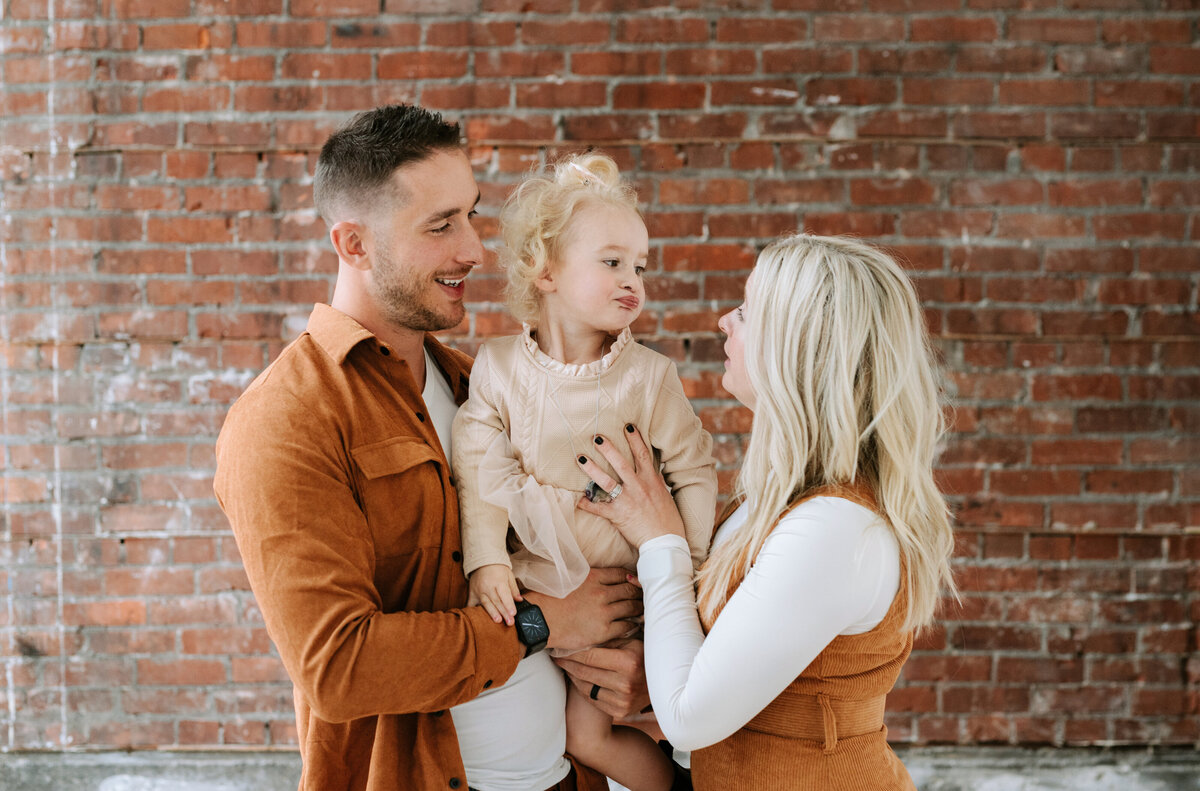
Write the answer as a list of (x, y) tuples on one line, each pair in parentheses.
[(399, 296)]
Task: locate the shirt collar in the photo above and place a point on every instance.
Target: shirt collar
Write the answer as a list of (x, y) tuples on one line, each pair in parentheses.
[(335, 332), (338, 334)]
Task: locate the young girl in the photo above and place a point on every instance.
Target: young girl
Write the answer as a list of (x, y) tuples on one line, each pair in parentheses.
[(575, 250)]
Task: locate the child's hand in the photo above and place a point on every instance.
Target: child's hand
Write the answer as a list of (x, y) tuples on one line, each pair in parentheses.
[(495, 588)]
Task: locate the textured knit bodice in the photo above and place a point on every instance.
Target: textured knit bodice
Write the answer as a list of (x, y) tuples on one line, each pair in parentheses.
[(517, 439)]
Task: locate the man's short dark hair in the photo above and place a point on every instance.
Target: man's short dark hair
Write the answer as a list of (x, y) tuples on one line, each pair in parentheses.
[(359, 159)]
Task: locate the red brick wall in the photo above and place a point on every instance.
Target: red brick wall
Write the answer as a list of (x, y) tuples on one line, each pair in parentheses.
[(1034, 163)]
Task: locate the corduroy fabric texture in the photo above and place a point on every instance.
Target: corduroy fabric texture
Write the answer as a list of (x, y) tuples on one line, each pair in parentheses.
[(825, 731)]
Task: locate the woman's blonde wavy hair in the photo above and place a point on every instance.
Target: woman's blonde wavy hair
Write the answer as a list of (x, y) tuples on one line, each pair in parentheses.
[(843, 376), (535, 222)]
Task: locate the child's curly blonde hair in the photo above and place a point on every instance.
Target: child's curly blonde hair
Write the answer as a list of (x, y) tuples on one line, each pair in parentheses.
[(536, 217)]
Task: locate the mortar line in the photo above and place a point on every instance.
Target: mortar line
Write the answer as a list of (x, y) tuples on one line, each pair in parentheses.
[(6, 533), (55, 383)]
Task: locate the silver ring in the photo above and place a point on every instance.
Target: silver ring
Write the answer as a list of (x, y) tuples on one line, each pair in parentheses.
[(615, 493)]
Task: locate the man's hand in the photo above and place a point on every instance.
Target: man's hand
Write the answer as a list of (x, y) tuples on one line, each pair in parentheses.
[(618, 670), (595, 612)]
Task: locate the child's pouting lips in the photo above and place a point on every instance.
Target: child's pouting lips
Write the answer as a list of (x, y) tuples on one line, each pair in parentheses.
[(629, 302)]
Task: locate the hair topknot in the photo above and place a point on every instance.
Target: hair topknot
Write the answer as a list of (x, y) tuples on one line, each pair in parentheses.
[(536, 218)]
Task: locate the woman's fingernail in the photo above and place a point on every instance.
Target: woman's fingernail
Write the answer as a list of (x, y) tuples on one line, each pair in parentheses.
[(599, 440), (629, 427), (583, 459)]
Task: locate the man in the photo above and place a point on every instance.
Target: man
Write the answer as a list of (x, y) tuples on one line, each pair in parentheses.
[(332, 468)]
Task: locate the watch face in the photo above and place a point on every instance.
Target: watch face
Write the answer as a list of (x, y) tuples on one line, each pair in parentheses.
[(533, 626)]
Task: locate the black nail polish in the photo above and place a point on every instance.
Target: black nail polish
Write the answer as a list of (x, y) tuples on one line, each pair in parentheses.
[(599, 440), (629, 427), (583, 459)]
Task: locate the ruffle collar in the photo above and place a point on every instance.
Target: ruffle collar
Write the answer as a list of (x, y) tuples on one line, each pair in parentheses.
[(594, 368)]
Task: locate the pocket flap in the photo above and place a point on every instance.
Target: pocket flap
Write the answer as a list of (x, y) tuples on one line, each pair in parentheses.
[(393, 456)]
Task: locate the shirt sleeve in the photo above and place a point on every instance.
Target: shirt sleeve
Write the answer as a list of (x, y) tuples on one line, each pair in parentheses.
[(310, 557), (477, 426), (822, 568), (685, 450)]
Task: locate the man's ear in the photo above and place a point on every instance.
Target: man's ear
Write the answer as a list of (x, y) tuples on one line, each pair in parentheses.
[(349, 241)]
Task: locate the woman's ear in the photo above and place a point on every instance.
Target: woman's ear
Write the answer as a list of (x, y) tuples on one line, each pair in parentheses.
[(349, 240)]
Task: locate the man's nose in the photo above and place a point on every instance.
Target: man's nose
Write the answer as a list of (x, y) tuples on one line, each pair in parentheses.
[(472, 251)]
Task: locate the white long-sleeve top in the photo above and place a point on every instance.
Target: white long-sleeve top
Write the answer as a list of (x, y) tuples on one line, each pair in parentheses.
[(830, 567)]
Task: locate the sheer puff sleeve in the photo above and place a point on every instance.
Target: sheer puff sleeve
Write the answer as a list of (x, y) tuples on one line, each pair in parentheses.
[(495, 492)]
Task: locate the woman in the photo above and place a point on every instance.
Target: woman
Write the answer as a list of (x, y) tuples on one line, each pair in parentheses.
[(774, 672)]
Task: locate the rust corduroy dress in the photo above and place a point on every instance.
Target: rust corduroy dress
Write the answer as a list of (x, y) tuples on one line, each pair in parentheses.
[(825, 731)]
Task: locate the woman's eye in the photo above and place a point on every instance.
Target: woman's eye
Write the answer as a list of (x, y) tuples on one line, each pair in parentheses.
[(740, 315)]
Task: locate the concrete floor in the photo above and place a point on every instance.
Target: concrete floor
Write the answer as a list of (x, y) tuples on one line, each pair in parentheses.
[(933, 769)]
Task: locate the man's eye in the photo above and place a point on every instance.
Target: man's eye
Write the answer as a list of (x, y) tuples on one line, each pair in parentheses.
[(440, 228)]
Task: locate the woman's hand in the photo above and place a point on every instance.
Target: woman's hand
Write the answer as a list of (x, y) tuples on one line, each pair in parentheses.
[(643, 508)]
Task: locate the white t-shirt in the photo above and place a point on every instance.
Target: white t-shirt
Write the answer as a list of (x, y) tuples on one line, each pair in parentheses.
[(830, 567), (512, 737)]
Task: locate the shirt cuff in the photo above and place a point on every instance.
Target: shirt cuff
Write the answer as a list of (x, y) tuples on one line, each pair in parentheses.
[(497, 649), (664, 556)]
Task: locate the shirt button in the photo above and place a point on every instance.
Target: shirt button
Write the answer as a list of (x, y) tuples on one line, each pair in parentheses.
[(421, 417), (455, 782), (456, 556), (487, 683), (385, 351)]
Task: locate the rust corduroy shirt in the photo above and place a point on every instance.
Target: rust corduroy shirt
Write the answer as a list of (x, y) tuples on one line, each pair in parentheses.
[(346, 517)]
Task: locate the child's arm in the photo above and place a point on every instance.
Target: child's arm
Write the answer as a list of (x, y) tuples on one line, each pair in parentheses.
[(495, 491), (483, 525), (495, 587), (685, 450)]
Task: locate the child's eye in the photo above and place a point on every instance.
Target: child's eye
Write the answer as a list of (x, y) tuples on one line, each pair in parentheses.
[(612, 262), (639, 270)]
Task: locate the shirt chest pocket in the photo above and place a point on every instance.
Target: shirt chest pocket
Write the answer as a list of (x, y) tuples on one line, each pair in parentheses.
[(400, 487)]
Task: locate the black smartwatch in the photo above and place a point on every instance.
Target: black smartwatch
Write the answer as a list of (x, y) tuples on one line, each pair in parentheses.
[(532, 630)]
